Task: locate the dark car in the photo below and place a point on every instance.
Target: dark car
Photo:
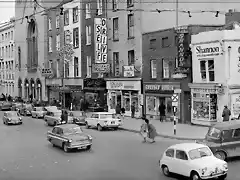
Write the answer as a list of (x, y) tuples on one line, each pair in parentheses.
[(78, 117), (5, 105), (69, 136), (26, 109)]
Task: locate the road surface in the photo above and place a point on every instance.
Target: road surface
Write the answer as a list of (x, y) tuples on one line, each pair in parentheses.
[(25, 154)]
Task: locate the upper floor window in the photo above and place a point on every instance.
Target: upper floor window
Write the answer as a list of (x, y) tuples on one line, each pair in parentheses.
[(11, 35), (49, 24), (207, 70), (88, 35), (130, 25), (115, 29), (131, 57), (50, 44), (165, 42), (116, 63), (58, 42), (75, 14), (75, 38), (57, 21), (8, 35), (130, 3), (88, 10), (99, 7), (76, 67), (2, 37), (153, 43), (153, 65), (57, 68), (166, 69), (89, 66), (114, 5), (67, 37), (66, 18)]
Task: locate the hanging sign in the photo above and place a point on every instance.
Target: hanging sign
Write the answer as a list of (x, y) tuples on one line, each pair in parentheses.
[(100, 68), (128, 71)]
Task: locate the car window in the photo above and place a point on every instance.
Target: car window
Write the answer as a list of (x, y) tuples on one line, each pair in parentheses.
[(54, 130), (60, 131), (236, 133), (94, 116), (170, 153), (227, 134), (214, 133), (199, 153), (181, 155)]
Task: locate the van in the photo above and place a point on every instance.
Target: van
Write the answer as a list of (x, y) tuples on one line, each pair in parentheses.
[(224, 139)]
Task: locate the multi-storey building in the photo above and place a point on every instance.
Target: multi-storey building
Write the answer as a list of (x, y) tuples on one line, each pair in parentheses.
[(167, 66), (7, 59)]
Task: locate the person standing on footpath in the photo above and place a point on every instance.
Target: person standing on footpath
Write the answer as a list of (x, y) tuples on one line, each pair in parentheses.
[(133, 110), (118, 110), (162, 111), (226, 114)]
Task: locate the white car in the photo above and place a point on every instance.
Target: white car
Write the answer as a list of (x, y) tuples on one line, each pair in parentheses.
[(38, 112), (193, 160), (103, 120)]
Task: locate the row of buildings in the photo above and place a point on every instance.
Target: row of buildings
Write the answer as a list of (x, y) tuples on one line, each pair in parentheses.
[(113, 53)]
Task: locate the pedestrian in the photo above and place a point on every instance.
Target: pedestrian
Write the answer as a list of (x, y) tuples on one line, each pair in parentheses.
[(66, 117), (144, 131), (118, 110), (123, 112), (62, 117), (133, 110), (152, 133), (226, 114), (162, 111)]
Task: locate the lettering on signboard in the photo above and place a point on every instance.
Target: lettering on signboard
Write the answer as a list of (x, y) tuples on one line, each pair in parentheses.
[(128, 71), (202, 90), (159, 87), (101, 68), (116, 85), (100, 40), (208, 51)]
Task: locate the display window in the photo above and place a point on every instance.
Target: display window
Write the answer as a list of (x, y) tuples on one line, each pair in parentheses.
[(126, 100), (169, 108), (91, 98), (134, 99), (150, 105), (112, 100)]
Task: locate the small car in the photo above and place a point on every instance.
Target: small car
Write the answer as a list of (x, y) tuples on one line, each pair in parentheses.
[(5, 105), (103, 120), (26, 109), (223, 139), (53, 116), (78, 117), (38, 112), (192, 160), (11, 117), (69, 136)]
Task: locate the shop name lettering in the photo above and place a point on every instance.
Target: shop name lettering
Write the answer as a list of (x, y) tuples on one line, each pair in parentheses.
[(205, 90), (159, 87), (201, 50)]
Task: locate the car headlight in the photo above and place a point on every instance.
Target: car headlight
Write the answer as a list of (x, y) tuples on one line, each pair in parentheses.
[(20, 118), (105, 122), (70, 140), (225, 166), (89, 137), (204, 170), (9, 119)]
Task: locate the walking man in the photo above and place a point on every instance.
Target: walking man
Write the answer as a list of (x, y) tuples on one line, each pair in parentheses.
[(226, 114), (133, 110), (162, 109)]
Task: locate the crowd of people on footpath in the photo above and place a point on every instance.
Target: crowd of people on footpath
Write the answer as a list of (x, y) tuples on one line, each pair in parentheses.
[(6, 97)]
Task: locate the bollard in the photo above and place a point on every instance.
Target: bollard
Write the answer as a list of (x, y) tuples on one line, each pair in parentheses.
[(174, 121)]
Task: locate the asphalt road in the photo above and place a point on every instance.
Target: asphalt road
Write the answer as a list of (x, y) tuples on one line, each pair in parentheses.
[(25, 154)]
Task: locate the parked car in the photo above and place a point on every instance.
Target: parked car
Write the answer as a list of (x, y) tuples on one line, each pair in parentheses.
[(38, 112), (78, 117), (53, 116), (5, 105), (192, 160), (103, 120), (26, 109), (11, 117), (16, 106), (223, 139), (69, 136)]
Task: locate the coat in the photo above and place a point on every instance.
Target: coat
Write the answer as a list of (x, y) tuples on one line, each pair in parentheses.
[(226, 114), (152, 133), (144, 130)]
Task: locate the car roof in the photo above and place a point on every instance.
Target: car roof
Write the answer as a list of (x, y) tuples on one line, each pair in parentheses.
[(102, 113), (187, 146), (67, 126), (234, 124)]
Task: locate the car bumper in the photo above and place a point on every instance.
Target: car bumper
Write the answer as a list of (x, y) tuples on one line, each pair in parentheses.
[(14, 122), (111, 125), (213, 176), (6, 108), (79, 146)]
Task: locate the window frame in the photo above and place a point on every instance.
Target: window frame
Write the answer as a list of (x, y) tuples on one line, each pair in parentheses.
[(130, 25), (66, 17), (49, 23), (165, 61), (88, 11), (180, 158), (114, 5), (99, 7), (57, 22), (58, 42), (207, 71), (131, 61), (238, 137), (130, 3), (75, 14), (89, 66), (165, 42), (170, 150), (152, 67), (76, 66), (50, 38), (115, 29), (76, 37), (153, 43), (88, 35)]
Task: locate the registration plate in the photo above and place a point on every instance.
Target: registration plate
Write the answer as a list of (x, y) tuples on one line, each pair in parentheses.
[(83, 147)]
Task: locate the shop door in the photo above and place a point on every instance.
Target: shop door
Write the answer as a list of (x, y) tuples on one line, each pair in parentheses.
[(187, 107), (68, 100), (119, 99)]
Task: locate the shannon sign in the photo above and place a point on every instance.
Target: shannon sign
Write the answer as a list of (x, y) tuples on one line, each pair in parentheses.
[(207, 51)]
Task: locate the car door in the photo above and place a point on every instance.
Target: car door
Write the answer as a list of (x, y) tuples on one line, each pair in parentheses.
[(227, 142), (236, 142), (4, 117), (181, 164), (59, 139), (91, 120), (54, 136), (95, 120), (169, 158), (34, 112)]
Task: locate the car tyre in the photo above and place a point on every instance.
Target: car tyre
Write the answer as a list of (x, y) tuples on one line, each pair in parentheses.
[(116, 128), (25, 114), (165, 170), (223, 177), (220, 155), (55, 123), (89, 147), (195, 176), (86, 125), (65, 148), (99, 127)]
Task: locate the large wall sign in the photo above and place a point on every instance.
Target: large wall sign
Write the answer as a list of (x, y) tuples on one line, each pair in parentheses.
[(100, 32), (207, 51)]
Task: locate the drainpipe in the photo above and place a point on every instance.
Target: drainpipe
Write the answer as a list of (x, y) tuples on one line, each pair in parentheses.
[(228, 76)]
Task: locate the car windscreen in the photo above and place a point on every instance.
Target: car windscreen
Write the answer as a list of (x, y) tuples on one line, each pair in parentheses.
[(214, 132), (39, 108), (74, 130), (57, 114), (199, 153), (106, 116), (12, 114), (77, 113)]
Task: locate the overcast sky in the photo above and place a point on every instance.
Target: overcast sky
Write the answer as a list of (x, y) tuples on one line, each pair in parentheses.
[(6, 10)]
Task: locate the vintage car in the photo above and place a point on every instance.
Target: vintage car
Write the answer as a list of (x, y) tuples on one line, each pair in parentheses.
[(5, 105), (11, 117), (38, 112), (26, 109), (69, 136), (223, 139), (192, 160), (78, 117), (53, 116), (103, 120)]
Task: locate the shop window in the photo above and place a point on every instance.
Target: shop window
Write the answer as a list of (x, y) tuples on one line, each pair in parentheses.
[(211, 70), (201, 103), (134, 100), (112, 100), (126, 100), (150, 105)]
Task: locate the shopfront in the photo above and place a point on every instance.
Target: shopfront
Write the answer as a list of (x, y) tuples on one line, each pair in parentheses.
[(157, 93), (125, 92)]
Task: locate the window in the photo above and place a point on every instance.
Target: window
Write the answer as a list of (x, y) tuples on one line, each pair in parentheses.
[(99, 7), (49, 24), (176, 40), (66, 68), (130, 25), (153, 69), (11, 35), (88, 35), (115, 29), (165, 42), (2, 52), (89, 67), (2, 37), (75, 14), (67, 37), (76, 69), (75, 38), (94, 116), (207, 70), (181, 155), (58, 42), (57, 22), (170, 153), (129, 3), (199, 153), (166, 69), (50, 64), (131, 58), (236, 133), (9, 50), (6, 55), (88, 10), (8, 35), (114, 5), (57, 68), (66, 18), (153, 43), (203, 70), (116, 63), (211, 70), (12, 50), (50, 44)]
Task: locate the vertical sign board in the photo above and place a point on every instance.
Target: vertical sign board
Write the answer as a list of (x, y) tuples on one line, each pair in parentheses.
[(100, 31)]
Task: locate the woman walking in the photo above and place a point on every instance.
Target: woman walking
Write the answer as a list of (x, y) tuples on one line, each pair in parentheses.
[(144, 132), (152, 133)]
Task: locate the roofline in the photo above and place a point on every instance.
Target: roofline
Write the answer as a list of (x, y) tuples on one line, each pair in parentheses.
[(7, 26)]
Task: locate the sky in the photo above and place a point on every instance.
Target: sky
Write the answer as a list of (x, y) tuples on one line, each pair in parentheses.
[(6, 10)]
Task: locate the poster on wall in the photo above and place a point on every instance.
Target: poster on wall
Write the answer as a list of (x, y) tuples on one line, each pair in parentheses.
[(235, 105)]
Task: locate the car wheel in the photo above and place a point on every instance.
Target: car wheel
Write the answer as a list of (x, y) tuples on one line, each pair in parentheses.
[(3, 122), (89, 147), (25, 114), (195, 176), (223, 177), (165, 170), (220, 155), (86, 125), (55, 123), (99, 127), (116, 128), (65, 148), (20, 123)]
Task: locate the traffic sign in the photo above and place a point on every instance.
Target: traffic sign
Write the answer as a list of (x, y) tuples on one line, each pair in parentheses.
[(177, 91), (174, 98), (174, 104)]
